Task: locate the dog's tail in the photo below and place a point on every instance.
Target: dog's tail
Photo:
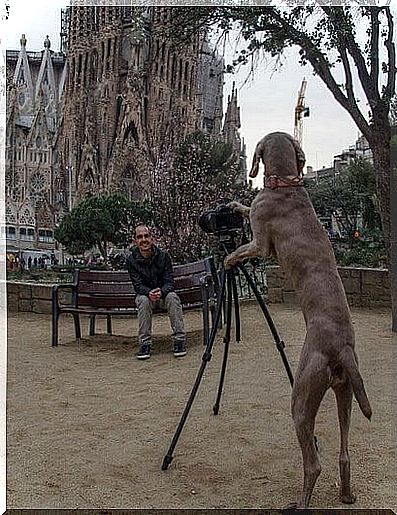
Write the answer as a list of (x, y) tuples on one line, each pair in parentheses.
[(348, 359)]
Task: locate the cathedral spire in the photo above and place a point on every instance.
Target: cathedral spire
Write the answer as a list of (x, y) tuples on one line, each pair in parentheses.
[(232, 121), (46, 89), (231, 128), (23, 80)]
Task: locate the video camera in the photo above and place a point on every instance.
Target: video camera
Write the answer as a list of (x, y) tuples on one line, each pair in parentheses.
[(221, 220)]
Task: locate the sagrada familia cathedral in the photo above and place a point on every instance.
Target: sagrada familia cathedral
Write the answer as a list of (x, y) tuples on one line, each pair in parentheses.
[(98, 115)]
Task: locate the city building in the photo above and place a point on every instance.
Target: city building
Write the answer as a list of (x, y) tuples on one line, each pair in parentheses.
[(103, 114), (210, 77), (360, 150)]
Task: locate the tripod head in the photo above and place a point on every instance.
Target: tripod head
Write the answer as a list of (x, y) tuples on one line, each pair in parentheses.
[(227, 242)]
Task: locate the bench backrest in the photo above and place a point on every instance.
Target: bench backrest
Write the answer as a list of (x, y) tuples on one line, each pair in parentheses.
[(113, 289)]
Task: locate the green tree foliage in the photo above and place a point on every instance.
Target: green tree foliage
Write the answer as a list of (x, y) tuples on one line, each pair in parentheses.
[(99, 220), (348, 196), (202, 174)]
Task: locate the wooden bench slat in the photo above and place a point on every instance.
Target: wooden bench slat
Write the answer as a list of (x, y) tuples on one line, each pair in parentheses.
[(107, 301), (121, 276), (188, 282), (126, 287), (94, 310), (105, 288), (119, 301), (191, 268)]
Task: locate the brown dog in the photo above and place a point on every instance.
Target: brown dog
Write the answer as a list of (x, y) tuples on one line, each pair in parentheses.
[(284, 224)]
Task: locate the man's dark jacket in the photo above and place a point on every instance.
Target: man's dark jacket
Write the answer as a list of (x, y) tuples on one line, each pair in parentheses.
[(149, 273)]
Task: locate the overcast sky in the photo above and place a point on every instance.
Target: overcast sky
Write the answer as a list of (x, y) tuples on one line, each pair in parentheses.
[(267, 102)]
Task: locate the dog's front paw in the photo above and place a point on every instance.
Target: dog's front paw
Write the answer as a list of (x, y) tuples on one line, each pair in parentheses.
[(234, 206)]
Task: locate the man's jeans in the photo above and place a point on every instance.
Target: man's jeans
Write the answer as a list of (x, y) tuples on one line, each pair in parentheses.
[(172, 304)]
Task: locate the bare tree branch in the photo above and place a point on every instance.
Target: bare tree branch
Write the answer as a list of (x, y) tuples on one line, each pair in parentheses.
[(374, 45), (348, 74), (370, 89), (369, 86), (390, 88)]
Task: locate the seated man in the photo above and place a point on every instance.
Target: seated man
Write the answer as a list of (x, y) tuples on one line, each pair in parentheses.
[(150, 269)]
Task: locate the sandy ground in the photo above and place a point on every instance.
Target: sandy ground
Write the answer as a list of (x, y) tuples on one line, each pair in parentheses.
[(89, 425)]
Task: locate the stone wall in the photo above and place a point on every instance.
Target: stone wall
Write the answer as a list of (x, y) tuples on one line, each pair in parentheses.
[(31, 297), (365, 287)]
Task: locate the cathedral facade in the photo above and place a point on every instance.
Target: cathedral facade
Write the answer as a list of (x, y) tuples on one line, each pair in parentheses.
[(35, 83), (103, 114)]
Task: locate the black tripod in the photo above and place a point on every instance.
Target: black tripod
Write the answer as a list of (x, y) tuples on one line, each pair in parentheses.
[(228, 290)]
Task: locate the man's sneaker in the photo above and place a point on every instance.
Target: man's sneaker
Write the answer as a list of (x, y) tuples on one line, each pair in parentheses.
[(144, 351), (179, 349)]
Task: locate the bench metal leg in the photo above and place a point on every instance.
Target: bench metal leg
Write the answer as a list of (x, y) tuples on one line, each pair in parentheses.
[(109, 324), (77, 328), (54, 338), (91, 331)]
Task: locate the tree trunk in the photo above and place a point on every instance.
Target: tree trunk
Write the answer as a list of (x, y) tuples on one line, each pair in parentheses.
[(393, 271), (102, 250), (380, 147), (381, 154), (393, 245)]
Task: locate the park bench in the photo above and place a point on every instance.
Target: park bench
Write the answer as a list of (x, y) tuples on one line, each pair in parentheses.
[(110, 293)]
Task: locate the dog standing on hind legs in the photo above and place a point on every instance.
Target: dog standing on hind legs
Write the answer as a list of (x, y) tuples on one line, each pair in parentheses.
[(284, 224)]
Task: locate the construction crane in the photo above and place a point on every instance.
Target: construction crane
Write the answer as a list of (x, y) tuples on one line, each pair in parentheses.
[(300, 111)]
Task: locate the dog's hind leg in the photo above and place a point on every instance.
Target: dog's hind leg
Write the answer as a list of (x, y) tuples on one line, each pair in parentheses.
[(311, 382), (344, 395)]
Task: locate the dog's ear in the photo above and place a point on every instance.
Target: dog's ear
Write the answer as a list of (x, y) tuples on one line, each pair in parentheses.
[(255, 167), (300, 157), (256, 162)]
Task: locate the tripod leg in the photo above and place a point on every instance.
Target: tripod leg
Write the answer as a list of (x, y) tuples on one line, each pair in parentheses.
[(279, 343), (206, 358), (236, 307), (226, 340)]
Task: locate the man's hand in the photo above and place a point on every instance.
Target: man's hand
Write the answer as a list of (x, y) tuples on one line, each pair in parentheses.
[(155, 294)]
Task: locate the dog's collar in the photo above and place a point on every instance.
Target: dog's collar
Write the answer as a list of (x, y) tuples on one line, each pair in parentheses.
[(274, 181)]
